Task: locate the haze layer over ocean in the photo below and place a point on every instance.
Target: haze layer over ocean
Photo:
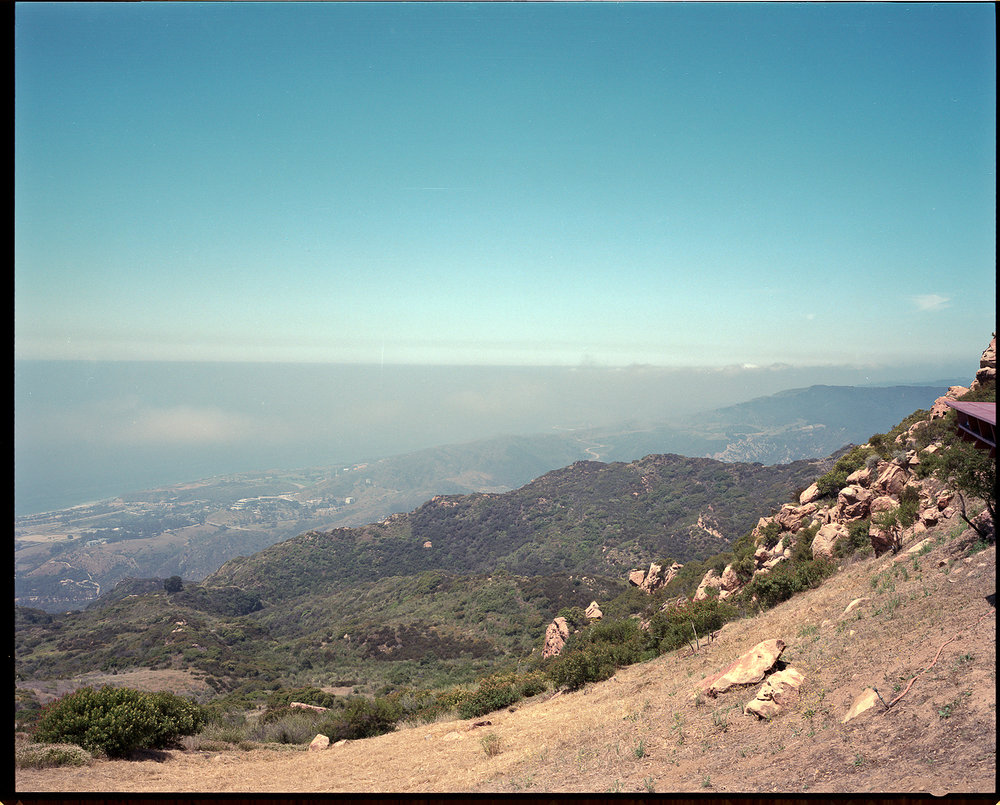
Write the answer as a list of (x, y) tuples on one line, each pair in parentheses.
[(85, 430)]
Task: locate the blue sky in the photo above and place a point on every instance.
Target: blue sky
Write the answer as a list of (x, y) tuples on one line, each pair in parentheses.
[(553, 184)]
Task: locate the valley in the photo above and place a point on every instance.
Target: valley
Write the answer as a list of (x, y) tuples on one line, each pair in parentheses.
[(66, 559), (488, 641)]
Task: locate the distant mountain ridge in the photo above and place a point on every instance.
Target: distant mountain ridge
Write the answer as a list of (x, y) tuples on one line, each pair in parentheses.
[(66, 559)]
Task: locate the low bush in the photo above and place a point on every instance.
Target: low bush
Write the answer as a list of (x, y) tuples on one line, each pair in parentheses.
[(493, 693), (574, 669), (118, 721), (361, 718), (29, 755)]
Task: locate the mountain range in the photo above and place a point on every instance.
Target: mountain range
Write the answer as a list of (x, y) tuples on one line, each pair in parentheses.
[(66, 559)]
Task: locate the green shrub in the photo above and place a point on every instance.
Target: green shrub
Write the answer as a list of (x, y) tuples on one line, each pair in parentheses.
[(494, 693), (531, 684), (574, 669), (785, 580), (832, 482), (117, 721), (362, 718), (857, 539), (677, 626)]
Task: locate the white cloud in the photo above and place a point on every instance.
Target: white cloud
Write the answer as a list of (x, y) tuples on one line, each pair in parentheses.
[(930, 301)]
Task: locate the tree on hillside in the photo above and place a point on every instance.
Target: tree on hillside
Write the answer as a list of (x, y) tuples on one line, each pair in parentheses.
[(173, 584), (972, 474)]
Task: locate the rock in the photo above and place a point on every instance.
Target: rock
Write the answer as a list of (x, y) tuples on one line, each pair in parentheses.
[(865, 701), (637, 577), (653, 578), (852, 501), (861, 477), (826, 539), (303, 706), (929, 516), (810, 494), (427, 544), (709, 580), (891, 480), (594, 611), (854, 605), (778, 691), (987, 365), (730, 582), (747, 670), (920, 545), (555, 638), (319, 743), (940, 407), (790, 518)]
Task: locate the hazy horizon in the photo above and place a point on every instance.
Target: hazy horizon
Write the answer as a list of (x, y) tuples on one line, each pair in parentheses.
[(87, 430)]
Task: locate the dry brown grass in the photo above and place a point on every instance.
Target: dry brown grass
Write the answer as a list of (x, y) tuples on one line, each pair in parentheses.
[(644, 730)]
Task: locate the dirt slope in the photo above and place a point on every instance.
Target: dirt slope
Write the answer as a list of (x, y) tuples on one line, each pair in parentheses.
[(643, 730)]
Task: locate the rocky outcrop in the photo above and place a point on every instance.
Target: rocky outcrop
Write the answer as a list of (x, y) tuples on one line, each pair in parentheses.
[(727, 584), (655, 577), (594, 612), (940, 407), (637, 577), (556, 635), (749, 669), (778, 691), (987, 365), (826, 539)]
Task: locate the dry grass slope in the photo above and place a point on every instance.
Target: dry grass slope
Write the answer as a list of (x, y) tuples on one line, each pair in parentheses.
[(644, 730)]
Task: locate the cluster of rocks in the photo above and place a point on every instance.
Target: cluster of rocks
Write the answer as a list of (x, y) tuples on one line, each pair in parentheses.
[(874, 488), (870, 490), (759, 664), (655, 577), (557, 632)]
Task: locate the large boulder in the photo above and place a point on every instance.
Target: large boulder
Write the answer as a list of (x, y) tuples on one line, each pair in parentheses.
[(882, 540), (730, 582), (792, 518), (654, 578), (810, 495), (556, 635), (710, 580), (319, 743), (852, 502), (637, 577), (891, 479), (827, 538), (777, 692), (749, 669), (594, 611)]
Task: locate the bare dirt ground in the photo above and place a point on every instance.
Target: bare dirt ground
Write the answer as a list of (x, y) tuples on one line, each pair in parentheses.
[(645, 731)]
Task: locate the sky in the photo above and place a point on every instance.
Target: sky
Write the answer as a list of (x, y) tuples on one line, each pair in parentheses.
[(552, 184)]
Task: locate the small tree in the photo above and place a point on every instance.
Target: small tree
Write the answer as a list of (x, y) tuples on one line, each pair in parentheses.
[(972, 474), (173, 585)]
